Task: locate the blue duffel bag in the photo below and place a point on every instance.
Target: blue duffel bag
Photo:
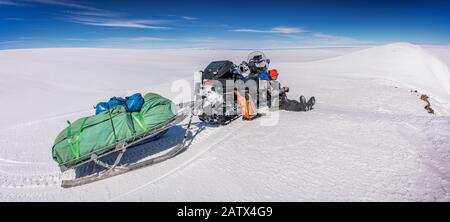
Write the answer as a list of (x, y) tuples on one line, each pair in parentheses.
[(101, 107), (134, 102), (112, 104), (116, 101), (131, 103)]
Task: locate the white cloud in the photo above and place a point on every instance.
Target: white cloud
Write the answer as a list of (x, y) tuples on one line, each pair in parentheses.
[(189, 18), (278, 29), (83, 9), (119, 23), (122, 39), (12, 19), (87, 14), (148, 38), (65, 3), (124, 24), (94, 13), (205, 40), (9, 42), (78, 39), (12, 3)]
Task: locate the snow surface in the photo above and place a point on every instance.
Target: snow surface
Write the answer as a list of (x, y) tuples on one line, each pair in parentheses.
[(368, 139)]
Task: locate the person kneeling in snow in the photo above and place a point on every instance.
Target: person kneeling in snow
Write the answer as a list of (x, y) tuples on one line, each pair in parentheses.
[(288, 104)]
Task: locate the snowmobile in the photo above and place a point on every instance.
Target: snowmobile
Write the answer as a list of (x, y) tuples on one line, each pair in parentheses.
[(218, 82), (216, 91)]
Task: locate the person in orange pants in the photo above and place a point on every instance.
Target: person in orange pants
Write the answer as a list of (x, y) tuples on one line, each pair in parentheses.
[(249, 110)]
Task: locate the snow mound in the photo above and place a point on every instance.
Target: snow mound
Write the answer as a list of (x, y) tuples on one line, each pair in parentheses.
[(407, 64)]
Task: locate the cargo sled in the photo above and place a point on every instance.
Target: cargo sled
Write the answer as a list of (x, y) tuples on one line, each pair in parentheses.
[(114, 131)]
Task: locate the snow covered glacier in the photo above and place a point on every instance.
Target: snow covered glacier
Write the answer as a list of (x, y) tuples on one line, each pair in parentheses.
[(368, 139)]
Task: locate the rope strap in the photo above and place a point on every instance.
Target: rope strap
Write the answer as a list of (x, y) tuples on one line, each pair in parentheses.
[(75, 144), (140, 121)]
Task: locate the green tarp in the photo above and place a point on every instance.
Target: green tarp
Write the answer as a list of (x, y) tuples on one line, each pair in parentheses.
[(95, 134)]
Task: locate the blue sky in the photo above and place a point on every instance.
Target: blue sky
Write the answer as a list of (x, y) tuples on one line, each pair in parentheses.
[(220, 24)]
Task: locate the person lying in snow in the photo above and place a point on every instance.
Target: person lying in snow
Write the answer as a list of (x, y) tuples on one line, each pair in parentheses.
[(294, 105), (288, 104)]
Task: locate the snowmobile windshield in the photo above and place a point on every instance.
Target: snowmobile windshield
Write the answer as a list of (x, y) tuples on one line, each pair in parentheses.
[(258, 60), (256, 57)]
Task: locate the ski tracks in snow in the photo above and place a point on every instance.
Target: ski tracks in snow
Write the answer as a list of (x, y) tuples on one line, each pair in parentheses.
[(33, 181), (191, 154), (437, 156), (41, 173)]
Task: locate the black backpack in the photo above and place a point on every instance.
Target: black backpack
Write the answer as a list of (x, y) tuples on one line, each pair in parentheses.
[(218, 70)]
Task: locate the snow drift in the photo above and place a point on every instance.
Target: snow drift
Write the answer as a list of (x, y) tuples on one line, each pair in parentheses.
[(406, 64)]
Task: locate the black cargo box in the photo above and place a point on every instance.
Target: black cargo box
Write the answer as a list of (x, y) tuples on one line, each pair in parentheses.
[(218, 70)]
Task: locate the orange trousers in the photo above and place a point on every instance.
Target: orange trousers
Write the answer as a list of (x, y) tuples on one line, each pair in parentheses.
[(249, 110)]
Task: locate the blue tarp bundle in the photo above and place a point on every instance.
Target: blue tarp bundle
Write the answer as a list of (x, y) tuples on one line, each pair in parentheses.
[(131, 103)]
